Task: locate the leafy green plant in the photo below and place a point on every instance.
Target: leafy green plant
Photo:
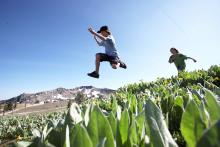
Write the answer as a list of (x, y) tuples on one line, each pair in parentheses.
[(178, 111)]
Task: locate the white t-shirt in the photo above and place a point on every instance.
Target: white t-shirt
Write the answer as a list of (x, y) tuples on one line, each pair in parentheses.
[(110, 46)]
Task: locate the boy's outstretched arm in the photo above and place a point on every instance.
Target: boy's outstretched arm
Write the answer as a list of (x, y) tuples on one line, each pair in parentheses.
[(192, 59), (96, 34)]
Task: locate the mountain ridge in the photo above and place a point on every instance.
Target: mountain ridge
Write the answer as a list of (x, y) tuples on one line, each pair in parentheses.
[(61, 94)]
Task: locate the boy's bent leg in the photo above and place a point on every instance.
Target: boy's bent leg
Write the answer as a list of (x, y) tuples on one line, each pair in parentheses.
[(95, 74), (100, 57), (115, 66), (97, 62), (122, 64), (116, 62)]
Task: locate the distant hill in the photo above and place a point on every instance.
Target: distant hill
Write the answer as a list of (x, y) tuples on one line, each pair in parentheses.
[(61, 94)]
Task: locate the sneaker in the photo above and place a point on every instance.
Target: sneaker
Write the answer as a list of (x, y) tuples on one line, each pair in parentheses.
[(93, 74), (122, 65)]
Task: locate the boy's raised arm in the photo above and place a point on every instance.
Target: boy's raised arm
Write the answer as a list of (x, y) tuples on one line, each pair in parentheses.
[(192, 59), (96, 34), (99, 43)]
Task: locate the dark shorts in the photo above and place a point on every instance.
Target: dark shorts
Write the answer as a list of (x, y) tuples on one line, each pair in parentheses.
[(180, 68), (111, 59)]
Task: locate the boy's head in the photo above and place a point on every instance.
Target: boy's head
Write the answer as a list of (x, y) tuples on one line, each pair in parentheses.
[(174, 51), (104, 31)]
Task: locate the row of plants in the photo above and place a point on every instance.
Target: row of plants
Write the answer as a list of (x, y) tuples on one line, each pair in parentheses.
[(184, 79), (166, 91), (21, 127), (178, 111), (138, 123)]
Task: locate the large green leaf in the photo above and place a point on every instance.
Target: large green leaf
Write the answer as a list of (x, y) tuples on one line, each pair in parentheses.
[(133, 134), (204, 114), (213, 106), (118, 113), (41, 138), (87, 113), (192, 125), (98, 128), (67, 138), (74, 115), (124, 126), (211, 137), (53, 135), (114, 105), (140, 105), (159, 133), (45, 133), (79, 137), (140, 119), (58, 132), (132, 103), (113, 123), (156, 138)]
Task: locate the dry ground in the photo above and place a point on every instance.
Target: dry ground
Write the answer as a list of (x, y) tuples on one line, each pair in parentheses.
[(38, 108)]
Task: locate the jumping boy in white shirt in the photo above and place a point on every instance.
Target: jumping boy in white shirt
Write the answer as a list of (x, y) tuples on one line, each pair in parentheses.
[(110, 55)]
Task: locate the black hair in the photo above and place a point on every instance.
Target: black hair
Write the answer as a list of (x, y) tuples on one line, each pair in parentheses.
[(104, 28), (174, 49)]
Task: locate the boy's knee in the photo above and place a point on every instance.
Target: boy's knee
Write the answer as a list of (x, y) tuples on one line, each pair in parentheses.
[(114, 66), (98, 57)]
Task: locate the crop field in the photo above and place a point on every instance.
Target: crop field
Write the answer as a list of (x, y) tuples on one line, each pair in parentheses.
[(179, 111)]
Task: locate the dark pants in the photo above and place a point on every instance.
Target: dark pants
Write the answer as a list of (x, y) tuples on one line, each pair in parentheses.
[(111, 59)]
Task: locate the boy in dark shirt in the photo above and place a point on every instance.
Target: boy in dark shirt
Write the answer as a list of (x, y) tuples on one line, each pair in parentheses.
[(179, 59)]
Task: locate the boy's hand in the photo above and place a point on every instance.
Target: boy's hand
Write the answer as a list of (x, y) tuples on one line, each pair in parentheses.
[(91, 30), (194, 60), (171, 59)]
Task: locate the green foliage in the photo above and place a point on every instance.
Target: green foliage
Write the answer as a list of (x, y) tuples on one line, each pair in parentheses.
[(212, 106), (80, 137), (211, 136), (192, 125), (124, 126), (159, 133), (98, 128), (178, 111), (21, 127)]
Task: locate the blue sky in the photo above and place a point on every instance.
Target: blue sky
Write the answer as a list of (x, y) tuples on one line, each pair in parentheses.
[(44, 44)]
